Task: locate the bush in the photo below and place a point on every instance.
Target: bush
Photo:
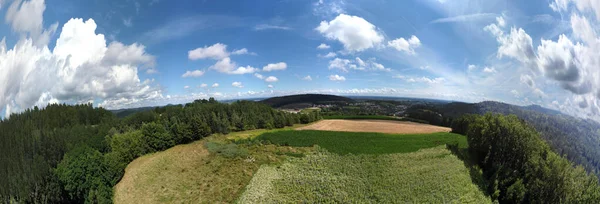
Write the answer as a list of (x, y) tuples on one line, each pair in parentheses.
[(230, 150)]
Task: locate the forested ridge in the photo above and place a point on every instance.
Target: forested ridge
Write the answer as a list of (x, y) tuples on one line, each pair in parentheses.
[(574, 138), (77, 153), (519, 167)]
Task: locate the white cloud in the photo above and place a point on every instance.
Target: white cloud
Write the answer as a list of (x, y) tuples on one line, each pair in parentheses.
[(217, 51), (404, 45), (437, 80), (471, 67), (195, 73), (337, 78), (237, 84), (224, 65), (357, 64), (515, 93), (489, 70), (244, 70), (203, 85), (355, 33), (517, 44), (327, 8), (242, 51), (307, 78), (215, 85), (186, 87), (340, 64), (270, 27), (80, 68), (328, 55), (526, 79), (463, 18), (271, 79), (260, 76), (270, 86), (275, 67), (26, 17), (323, 46)]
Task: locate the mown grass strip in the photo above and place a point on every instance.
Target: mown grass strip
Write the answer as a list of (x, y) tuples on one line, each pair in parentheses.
[(362, 143)]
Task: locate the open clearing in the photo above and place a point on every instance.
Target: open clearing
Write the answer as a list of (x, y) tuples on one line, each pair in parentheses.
[(381, 126)]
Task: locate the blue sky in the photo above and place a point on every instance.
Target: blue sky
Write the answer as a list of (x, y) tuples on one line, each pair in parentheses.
[(121, 54)]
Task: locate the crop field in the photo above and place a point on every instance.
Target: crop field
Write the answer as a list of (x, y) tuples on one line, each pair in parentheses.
[(381, 126), (362, 143), (431, 175)]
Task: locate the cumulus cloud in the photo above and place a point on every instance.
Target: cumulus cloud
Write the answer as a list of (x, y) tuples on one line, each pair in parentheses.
[(237, 84), (260, 76), (471, 67), (80, 68), (271, 79), (571, 61), (244, 70), (217, 51), (195, 73), (242, 51), (323, 46), (275, 67), (328, 55), (357, 64), (307, 78), (404, 45), (355, 33), (489, 70), (26, 17), (337, 78), (203, 85), (270, 86), (215, 85), (186, 87)]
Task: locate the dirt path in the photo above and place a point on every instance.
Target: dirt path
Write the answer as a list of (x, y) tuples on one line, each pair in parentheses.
[(382, 126)]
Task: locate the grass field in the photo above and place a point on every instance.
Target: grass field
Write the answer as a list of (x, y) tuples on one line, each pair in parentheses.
[(190, 174), (373, 117), (362, 143), (431, 175)]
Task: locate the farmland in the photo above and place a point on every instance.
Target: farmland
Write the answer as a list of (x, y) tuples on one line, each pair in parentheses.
[(382, 126), (362, 143), (431, 175)]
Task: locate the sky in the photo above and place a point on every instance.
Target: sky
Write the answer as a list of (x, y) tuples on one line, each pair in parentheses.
[(133, 53)]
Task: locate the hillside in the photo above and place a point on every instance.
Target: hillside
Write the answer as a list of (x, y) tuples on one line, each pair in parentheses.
[(303, 100), (575, 138)]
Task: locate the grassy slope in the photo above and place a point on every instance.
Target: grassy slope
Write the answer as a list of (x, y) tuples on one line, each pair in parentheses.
[(363, 143), (431, 175), (189, 174)]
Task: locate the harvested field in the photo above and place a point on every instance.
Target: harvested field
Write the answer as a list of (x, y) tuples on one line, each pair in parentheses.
[(381, 126)]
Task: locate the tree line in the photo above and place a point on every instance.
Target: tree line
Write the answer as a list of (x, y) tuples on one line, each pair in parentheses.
[(77, 153), (519, 166)]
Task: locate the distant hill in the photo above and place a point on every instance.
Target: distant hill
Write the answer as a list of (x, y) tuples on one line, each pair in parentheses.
[(121, 113), (298, 101)]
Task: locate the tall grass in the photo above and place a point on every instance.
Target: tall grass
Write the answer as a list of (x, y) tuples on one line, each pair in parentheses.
[(362, 143), (431, 175)]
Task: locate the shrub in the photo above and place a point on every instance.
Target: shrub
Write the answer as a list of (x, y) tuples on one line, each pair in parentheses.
[(230, 150)]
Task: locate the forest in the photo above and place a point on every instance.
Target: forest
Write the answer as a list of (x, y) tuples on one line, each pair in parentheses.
[(574, 138), (77, 153), (519, 166)]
